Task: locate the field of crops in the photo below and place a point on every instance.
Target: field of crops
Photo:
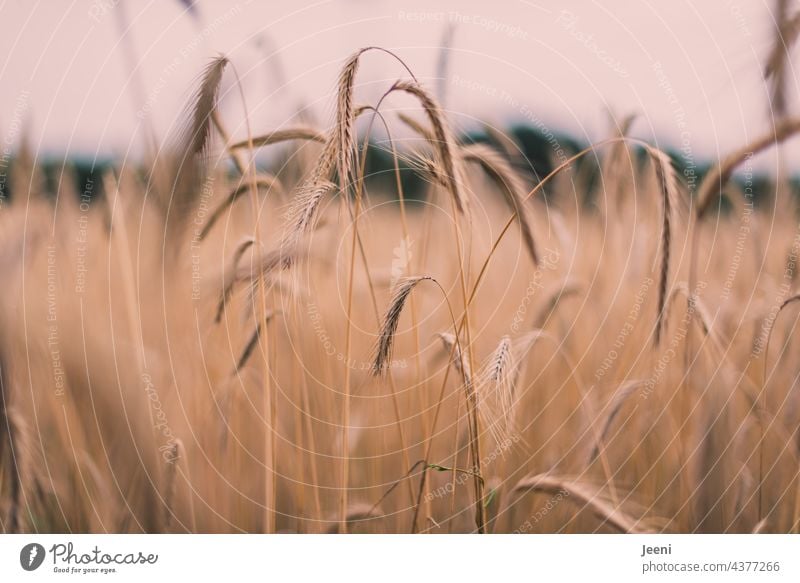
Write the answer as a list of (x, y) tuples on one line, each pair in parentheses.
[(274, 335)]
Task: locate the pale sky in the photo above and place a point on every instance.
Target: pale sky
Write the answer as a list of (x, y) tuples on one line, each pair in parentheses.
[(692, 71)]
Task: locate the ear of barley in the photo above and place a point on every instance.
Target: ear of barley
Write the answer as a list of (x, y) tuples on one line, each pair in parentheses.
[(499, 170), (429, 170), (443, 142), (303, 210), (581, 495), (345, 118), (383, 352), (668, 185), (302, 133), (203, 106), (520, 348), (495, 391), (343, 137), (500, 362)]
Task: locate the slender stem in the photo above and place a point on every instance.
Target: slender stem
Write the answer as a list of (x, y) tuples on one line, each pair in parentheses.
[(469, 388), (269, 411), (347, 369), (360, 189)]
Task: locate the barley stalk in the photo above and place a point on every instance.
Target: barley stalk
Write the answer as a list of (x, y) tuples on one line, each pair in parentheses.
[(581, 495), (510, 183), (302, 133)]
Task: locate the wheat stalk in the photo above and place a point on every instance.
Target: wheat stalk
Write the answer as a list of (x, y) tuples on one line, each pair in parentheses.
[(383, 351), (452, 171), (619, 398), (345, 118), (204, 103), (668, 186), (712, 184), (787, 31), (498, 168), (302, 133), (581, 495), (304, 208), (340, 150), (442, 140), (495, 391)]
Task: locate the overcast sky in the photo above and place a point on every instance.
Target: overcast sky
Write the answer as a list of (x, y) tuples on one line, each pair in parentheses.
[(690, 70)]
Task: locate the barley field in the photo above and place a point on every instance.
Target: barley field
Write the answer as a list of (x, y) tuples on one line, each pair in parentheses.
[(277, 335)]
